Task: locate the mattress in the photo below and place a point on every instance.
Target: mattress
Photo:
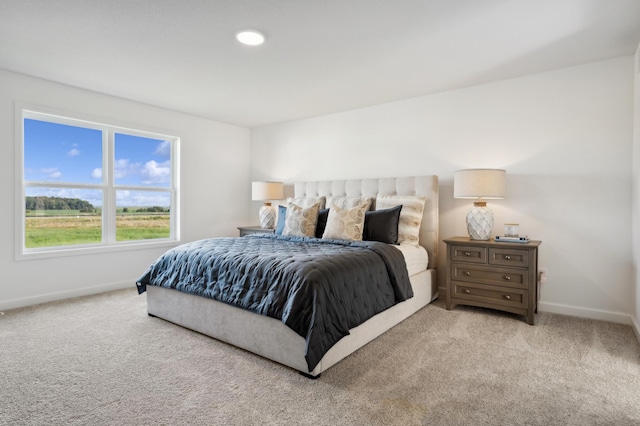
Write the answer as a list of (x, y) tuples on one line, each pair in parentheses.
[(416, 257)]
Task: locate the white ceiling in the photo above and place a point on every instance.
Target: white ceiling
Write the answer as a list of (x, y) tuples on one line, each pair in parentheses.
[(320, 57)]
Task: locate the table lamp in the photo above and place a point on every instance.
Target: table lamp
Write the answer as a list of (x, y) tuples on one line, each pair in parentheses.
[(479, 184), (266, 191)]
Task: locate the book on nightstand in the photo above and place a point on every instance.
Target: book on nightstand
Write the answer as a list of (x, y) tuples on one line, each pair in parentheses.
[(502, 239)]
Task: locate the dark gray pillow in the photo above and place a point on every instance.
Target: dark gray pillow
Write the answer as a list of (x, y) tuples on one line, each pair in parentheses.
[(382, 225), (322, 222)]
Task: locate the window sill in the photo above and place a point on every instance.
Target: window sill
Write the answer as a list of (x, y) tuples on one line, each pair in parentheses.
[(97, 249)]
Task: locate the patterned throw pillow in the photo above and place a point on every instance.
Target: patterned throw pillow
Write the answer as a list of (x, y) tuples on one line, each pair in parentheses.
[(410, 215), (300, 221), (349, 202), (306, 202), (345, 224)]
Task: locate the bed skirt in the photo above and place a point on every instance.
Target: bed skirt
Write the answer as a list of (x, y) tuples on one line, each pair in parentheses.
[(269, 337)]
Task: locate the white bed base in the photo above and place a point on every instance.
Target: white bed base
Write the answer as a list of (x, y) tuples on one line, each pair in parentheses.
[(272, 339), (269, 337)]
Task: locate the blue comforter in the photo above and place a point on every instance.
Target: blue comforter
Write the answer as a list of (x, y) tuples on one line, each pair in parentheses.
[(318, 288)]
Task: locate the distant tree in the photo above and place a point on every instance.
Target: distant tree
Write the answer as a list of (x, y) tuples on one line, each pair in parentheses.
[(154, 209), (58, 203)]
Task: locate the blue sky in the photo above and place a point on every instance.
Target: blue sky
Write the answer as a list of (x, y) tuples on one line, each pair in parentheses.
[(68, 154), (60, 153)]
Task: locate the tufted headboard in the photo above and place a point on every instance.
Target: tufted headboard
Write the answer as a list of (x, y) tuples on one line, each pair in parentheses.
[(413, 185)]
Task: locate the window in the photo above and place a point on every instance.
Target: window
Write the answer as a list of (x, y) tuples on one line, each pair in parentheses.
[(86, 185)]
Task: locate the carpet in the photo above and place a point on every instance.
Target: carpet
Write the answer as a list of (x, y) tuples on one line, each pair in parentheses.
[(101, 360)]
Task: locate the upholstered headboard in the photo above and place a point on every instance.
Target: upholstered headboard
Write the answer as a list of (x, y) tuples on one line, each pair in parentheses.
[(413, 185)]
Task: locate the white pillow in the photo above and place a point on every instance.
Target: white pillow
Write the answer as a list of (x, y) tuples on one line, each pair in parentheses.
[(345, 224), (300, 221), (410, 215)]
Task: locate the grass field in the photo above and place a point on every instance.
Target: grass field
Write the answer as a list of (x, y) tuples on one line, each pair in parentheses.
[(142, 227), (73, 228)]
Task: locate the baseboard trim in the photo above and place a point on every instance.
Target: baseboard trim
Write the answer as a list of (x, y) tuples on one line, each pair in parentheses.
[(576, 311), (5, 305), (636, 328)]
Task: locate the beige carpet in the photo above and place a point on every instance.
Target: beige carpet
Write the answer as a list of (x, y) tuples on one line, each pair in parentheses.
[(101, 360)]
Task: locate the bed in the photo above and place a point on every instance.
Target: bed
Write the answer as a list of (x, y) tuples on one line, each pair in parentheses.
[(269, 336)]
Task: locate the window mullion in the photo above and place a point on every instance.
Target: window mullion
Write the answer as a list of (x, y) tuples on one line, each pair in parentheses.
[(109, 210)]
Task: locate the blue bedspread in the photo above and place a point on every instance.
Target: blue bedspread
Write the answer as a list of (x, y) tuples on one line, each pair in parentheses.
[(318, 288)]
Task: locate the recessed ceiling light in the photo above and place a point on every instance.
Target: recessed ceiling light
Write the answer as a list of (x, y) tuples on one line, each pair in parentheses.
[(250, 37)]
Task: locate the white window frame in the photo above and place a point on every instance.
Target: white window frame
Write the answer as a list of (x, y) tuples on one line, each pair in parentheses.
[(107, 186)]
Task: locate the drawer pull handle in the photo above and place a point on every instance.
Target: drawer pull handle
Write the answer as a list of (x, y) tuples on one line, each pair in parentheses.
[(507, 277), (466, 253), (467, 273), (466, 290), (507, 257), (506, 296)]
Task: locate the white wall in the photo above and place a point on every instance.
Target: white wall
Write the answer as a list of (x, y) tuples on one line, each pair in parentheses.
[(214, 182), (564, 137)]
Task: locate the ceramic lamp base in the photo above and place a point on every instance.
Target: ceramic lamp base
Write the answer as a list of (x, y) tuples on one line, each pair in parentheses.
[(267, 216), (480, 221)]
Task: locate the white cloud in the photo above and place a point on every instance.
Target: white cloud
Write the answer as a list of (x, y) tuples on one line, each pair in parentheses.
[(124, 168), (122, 195), (163, 149), (52, 173), (97, 173), (151, 173), (73, 152), (125, 198), (155, 173)]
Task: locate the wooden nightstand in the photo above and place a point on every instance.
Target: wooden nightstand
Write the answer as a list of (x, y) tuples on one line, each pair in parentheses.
[(246, 230), (488, 274)]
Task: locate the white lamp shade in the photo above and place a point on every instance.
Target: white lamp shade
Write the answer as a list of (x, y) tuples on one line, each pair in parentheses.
[(267, 191), (479, 183)]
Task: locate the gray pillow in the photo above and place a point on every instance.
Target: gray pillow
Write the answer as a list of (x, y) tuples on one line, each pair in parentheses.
[(382, 225)]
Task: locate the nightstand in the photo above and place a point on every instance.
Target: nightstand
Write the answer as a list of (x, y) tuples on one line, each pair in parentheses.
[(246, 230), (494, 275)]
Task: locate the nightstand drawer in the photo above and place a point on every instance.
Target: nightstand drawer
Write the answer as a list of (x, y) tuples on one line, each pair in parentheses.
[(517, 278), (513, 298), (469, 254), (509, 257)]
